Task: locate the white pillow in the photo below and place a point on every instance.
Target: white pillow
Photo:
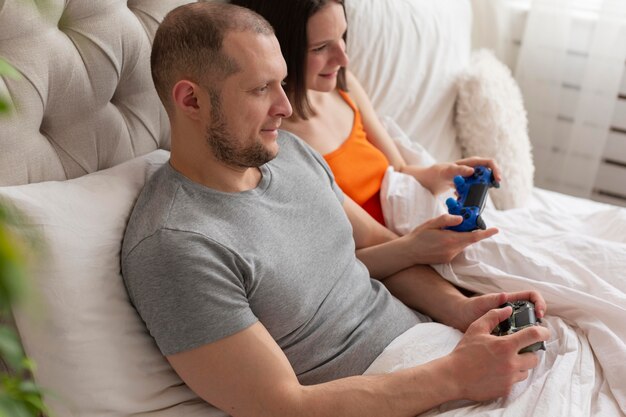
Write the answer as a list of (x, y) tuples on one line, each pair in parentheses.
[(491, 121), (408, 54), (92, 350), (405, 202)]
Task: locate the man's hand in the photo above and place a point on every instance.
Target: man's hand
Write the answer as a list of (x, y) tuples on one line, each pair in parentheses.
[(429, 243), (487, 366), (439, 178), (473, 308)]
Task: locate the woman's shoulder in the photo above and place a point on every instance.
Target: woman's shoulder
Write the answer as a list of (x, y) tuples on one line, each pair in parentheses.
[(352, 82), (351, 79), (355, 89)]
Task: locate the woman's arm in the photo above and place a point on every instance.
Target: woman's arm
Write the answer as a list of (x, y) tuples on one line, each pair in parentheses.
[(437, 178)]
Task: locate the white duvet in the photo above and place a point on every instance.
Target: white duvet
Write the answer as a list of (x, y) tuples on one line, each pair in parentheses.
[(574, 252)]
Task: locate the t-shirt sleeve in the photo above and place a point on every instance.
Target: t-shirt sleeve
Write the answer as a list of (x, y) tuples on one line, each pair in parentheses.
[(330, 174), (188, 290)]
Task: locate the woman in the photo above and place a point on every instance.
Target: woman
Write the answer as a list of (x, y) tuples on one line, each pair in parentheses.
[(343, 126)]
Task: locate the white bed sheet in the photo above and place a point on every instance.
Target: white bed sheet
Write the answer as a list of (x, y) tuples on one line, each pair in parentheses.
[(574, 252)]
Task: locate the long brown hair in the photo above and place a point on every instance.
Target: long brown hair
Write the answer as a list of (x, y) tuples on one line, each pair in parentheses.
[(289, 19)]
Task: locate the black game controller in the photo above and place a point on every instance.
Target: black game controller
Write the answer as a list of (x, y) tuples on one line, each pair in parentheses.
[(472, 195), (523, 316)]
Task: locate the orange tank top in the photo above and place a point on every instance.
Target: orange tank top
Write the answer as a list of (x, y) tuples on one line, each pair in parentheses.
[(359, 167)]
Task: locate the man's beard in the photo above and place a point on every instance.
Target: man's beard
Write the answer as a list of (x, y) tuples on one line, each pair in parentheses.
[(223, 145)]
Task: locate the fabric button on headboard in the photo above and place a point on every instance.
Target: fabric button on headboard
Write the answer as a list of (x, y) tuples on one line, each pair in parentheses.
[(85, 100)]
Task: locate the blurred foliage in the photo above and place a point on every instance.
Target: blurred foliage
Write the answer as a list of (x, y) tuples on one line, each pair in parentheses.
[(6, 70), (19, 395)]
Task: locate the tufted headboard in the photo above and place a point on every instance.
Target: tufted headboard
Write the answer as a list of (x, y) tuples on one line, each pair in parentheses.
[(85, 102), (85, 99)]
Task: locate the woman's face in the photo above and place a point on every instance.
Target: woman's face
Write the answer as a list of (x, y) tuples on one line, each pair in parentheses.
[(326, 47)]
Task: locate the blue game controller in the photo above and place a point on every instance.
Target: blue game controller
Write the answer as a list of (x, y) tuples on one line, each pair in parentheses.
[(472, 195)]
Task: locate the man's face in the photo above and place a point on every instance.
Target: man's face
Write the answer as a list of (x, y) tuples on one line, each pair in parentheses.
[(244, 118)]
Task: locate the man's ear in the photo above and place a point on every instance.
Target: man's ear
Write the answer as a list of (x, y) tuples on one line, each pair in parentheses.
[(185, 97)]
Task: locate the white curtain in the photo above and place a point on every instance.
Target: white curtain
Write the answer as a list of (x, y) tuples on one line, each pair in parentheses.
[(569, 67), (493, 27)]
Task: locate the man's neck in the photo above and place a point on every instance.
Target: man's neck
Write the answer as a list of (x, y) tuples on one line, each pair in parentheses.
[(216, 175)]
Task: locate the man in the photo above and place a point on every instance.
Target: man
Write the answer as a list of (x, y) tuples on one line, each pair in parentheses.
[(240, 257)]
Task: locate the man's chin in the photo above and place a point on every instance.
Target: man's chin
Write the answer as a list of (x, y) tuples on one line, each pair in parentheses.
[(270, 156), (262, 155), (272, 148)]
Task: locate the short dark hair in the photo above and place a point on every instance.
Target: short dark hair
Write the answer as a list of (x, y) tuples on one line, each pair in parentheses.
[(188, 44), (289, 19)]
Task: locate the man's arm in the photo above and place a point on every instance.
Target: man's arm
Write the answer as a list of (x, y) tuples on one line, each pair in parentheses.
[(384, 253), (247, 374), (418, 286)]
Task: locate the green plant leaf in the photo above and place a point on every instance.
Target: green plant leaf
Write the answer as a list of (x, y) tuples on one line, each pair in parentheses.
[(7, 70), (28, 386), (28, 364), (11, 407), (19, 395), (11, 349), (18, 242), (12, 270), (16, 221), (24, 392), (5, 107), (35, 402)]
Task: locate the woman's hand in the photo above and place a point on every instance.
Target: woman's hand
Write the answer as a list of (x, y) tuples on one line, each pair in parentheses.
[(439, 178)]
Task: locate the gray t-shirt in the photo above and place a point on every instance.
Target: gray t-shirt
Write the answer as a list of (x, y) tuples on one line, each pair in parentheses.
[(200, 265)]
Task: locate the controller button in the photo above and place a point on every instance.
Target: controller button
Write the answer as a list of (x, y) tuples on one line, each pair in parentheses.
[(451, 203), (505, 325)]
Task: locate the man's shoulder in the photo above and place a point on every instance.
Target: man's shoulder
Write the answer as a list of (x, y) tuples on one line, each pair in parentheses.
[(291, 144), (286, 138), (151, 208)]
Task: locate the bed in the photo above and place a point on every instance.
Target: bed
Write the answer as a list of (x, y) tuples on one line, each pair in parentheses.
[(88, 130)]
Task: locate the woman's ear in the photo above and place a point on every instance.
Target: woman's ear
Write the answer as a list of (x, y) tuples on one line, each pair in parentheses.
[(185, 98)]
